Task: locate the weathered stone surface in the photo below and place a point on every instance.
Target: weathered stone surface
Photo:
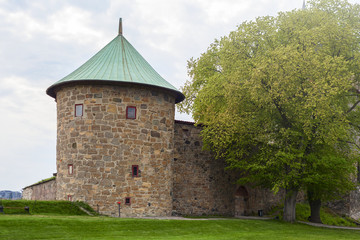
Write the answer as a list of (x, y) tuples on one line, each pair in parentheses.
[(348, 204), (155, 134), (42, 191), (354, 211), (108, 144), (203, 187)]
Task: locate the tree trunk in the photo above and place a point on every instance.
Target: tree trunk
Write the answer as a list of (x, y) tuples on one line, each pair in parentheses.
[(315, 205), (289, 205)]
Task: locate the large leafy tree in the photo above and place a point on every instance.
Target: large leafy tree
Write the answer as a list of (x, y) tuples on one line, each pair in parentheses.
[(278, 100)]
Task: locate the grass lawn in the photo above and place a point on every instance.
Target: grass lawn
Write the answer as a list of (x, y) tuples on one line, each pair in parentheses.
[(84, 227), (45, 207)]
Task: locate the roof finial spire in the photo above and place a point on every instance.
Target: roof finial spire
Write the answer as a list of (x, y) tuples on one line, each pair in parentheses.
[(120, 26), (304, 5)]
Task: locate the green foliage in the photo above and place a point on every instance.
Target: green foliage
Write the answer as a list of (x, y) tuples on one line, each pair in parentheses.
[(278, 98), (328, 217), (80, 227), (45, 207), (328, 174)]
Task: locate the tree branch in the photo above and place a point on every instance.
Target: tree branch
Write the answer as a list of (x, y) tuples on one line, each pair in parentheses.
[(354, 143), (351, 124), (353, 106)]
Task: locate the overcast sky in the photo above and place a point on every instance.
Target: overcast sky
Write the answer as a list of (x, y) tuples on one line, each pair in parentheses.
[(41, 41)]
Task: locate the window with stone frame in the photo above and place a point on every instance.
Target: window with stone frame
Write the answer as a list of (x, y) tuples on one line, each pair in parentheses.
[(130, 112), (135, 170), (79, 110), (127, 201), (70, 169)]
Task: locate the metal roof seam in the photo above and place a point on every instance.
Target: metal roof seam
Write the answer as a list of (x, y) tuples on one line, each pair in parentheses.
[(118, 61), (134, 65)]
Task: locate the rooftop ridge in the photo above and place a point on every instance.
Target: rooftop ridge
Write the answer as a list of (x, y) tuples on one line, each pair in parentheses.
[(117, 63)]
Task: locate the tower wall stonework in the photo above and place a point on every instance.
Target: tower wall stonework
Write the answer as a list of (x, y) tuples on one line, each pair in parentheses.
[(102, 145)]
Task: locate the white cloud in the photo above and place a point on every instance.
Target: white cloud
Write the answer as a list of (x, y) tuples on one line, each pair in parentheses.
[(20, 23), (224, 11), (67, 24), (30, 114), (27, 130), (72, 24)]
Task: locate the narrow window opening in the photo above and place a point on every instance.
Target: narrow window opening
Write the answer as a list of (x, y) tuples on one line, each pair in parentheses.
[(78, 110), (70, 169), (130, 112), (127, 201), (69, 198), (135, 170)]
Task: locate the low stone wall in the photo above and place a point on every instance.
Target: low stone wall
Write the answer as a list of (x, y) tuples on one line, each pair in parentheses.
[(41, 191), (203, 187)]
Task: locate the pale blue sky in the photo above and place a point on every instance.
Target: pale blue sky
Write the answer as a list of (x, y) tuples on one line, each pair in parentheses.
[(44, 40)]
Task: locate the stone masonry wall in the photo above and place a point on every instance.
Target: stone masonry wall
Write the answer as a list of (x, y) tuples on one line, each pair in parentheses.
[(355, 203), (42, 191), (203, 187), (27, 193), (348, 204), (102, 146)]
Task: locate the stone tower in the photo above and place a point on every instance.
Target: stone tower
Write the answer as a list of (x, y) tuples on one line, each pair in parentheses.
[(115, 131)]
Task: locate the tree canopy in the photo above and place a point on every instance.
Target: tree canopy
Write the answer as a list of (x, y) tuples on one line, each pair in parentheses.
[(278, 99)]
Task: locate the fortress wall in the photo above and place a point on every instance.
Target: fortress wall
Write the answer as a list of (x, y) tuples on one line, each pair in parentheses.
[(103, 145), (354, 204), (203, 187), (42, 191), (348, 204)]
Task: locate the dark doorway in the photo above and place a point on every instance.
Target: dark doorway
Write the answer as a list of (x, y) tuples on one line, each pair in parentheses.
[(241, 202)]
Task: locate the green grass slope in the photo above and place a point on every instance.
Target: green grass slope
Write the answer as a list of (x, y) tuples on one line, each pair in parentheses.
[(45, 207), (80, 227), (328, 217)]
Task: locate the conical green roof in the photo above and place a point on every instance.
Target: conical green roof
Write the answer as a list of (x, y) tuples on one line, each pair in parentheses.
[(117, 63)]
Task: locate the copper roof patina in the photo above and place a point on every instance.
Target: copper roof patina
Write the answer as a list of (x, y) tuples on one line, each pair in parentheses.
[(117, 63)]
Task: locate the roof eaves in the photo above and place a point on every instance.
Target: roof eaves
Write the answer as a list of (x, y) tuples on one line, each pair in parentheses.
[(51, 91)]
